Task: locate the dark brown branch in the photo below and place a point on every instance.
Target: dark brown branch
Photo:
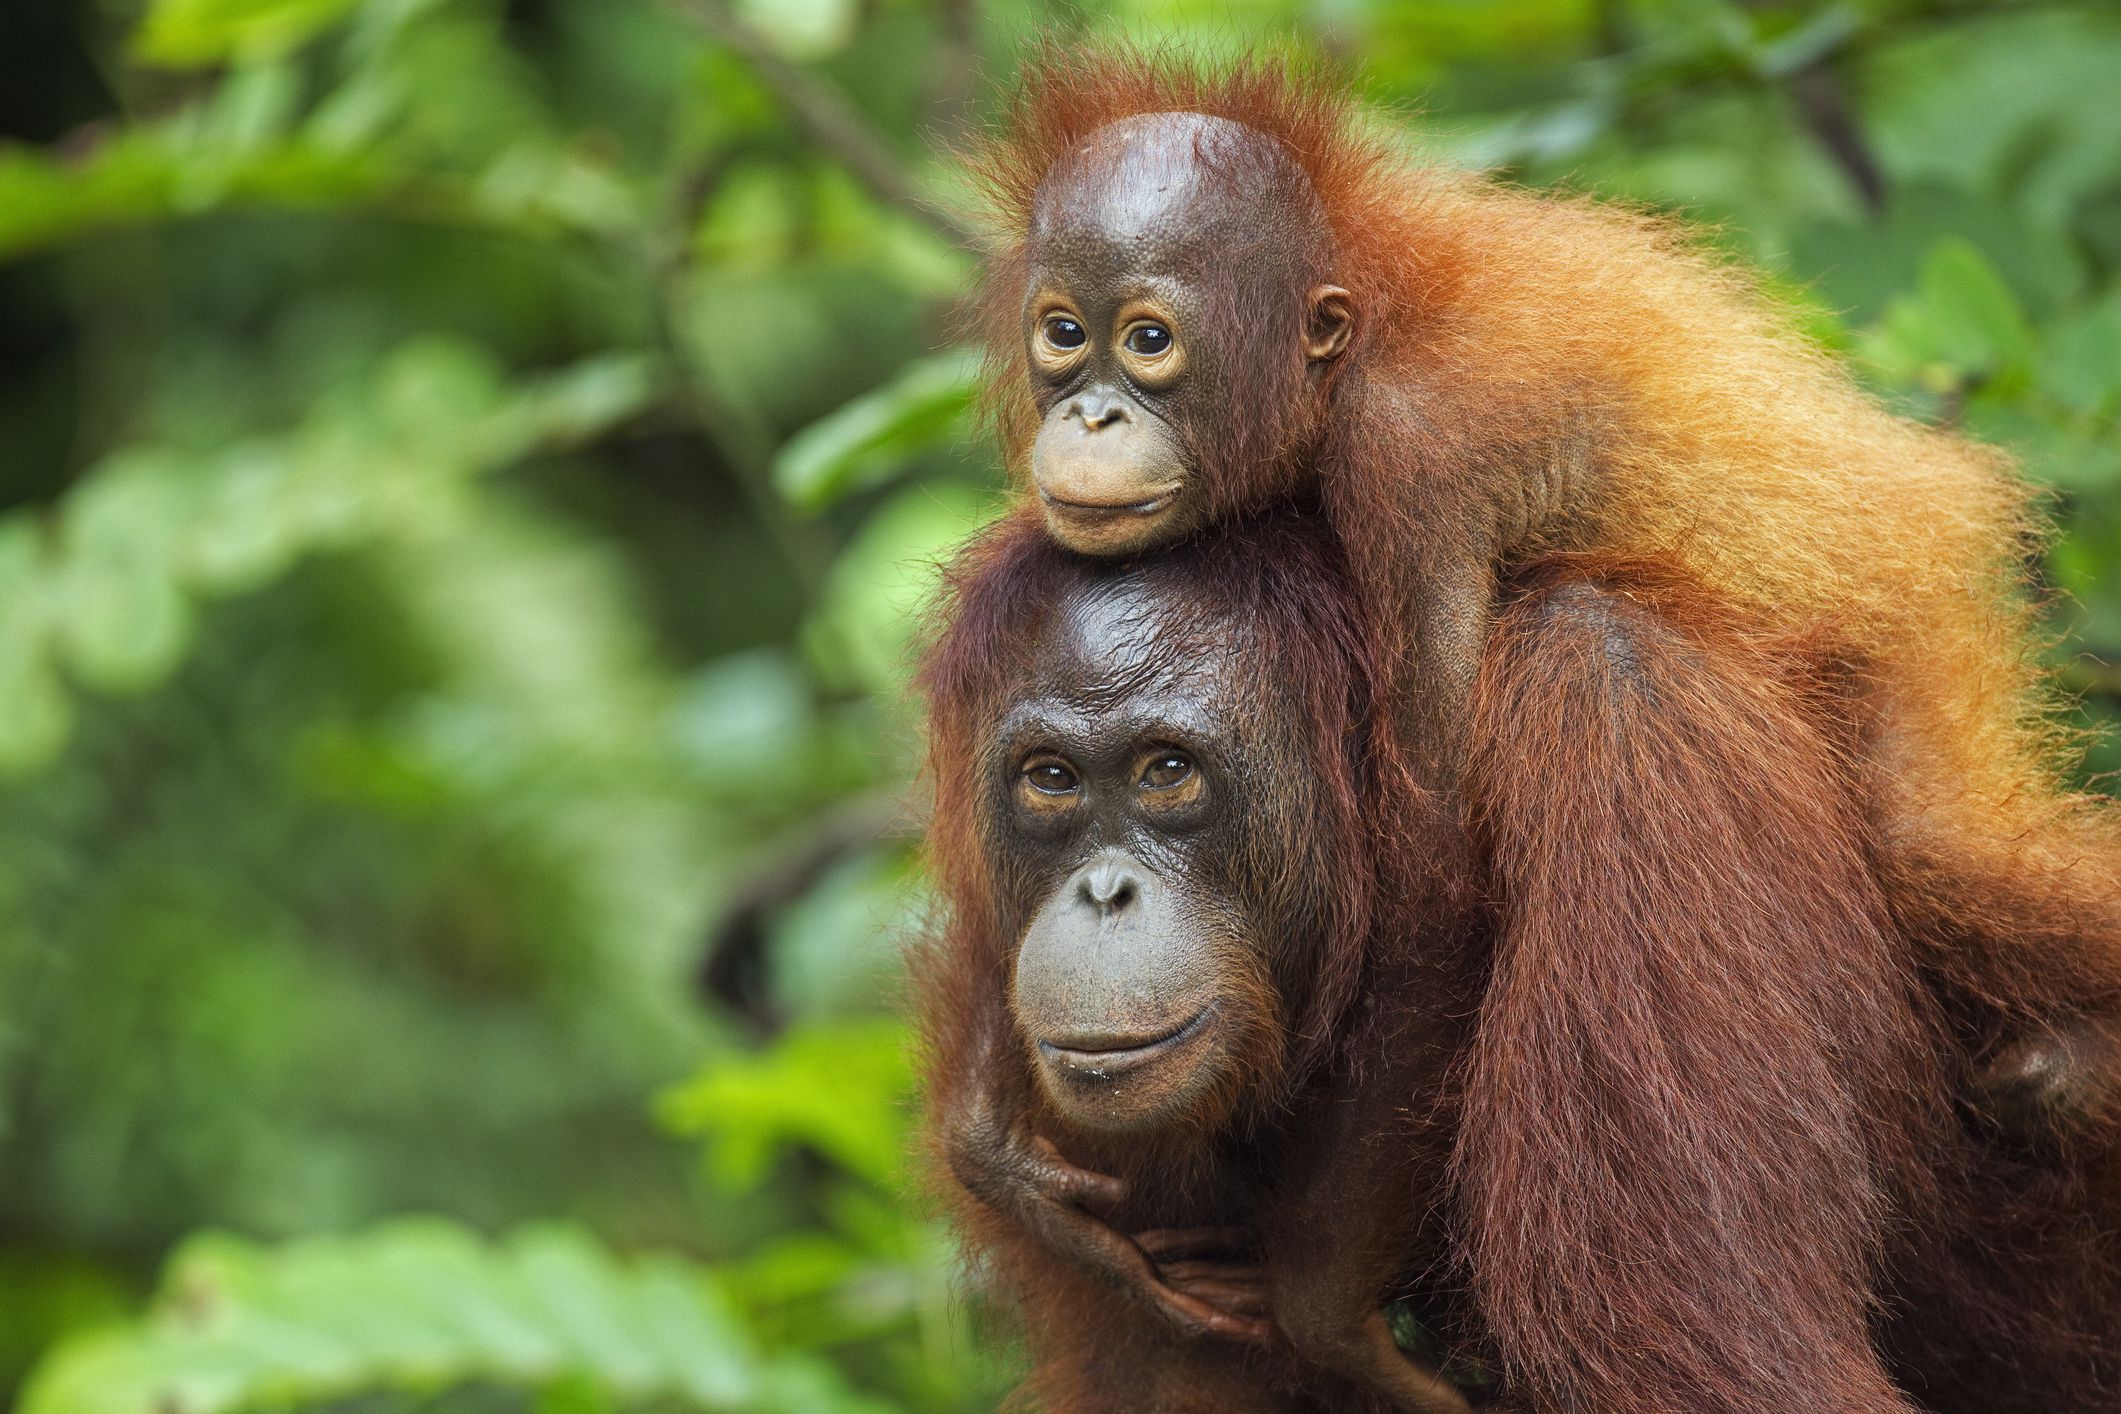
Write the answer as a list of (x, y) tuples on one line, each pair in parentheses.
[(733, 970), (1824, 105), (1610, 22), (830, 120), (1826, 110)]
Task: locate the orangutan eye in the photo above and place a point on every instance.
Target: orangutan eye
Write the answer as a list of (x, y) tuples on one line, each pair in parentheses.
[(1064, 333), (1050, 777), (1166, 771), (1148, 340)]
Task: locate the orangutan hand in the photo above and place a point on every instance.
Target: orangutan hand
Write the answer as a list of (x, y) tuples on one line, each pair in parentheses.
[(1183, 1274)]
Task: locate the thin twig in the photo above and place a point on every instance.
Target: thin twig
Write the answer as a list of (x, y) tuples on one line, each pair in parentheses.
[(1826, 110), (1824, 104), (2089, 677), (734, 968), (951, 88), (831, 121)]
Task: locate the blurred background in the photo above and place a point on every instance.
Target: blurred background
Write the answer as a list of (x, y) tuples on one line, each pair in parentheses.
[(468, 469)]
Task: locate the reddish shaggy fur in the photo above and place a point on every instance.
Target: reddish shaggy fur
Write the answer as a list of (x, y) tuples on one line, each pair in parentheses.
[(1702, 1054), (1697, 1149), (1339, 855), (1503, 336)]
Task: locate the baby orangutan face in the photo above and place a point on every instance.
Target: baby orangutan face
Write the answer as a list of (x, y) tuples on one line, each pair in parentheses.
[(1172, 322)]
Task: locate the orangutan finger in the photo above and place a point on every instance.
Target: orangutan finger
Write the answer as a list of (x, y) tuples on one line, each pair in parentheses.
[(1176, 1243), (1233, 1298), (1067, 1183)]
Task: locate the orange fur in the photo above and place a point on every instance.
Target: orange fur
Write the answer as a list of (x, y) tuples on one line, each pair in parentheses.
[(1506, 335)]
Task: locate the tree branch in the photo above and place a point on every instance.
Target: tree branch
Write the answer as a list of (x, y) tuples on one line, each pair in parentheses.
[(734, 967), (1827, 112), (830, 120)]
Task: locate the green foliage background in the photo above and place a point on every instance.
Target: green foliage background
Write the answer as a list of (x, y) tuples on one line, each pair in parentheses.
[(466, 469)]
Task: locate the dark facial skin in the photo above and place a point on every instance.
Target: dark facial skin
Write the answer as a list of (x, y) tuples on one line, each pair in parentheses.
[(1123, 786), (1118, 791), (1176, 267), (1128, 788)]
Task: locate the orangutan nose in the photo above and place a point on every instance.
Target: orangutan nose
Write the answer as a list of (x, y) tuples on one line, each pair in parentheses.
[(1099, 410), (1110, 885)]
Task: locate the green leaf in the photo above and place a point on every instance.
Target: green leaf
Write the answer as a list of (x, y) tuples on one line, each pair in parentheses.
[(186, 34), (419, 1306), (839, 949), (1976, 318), (148, 532), (245, 532), (490, 1312), (863, 631), (745, 721), (230, 151), (1807, 43), (586, 1299), (1963, 326), (126, 626), (587, 399), (2081, 358), (839, 1089), (122, 622), (813, 1387), (695, 1328), (34, 712), (802, 29), (871, 438), (151, 173), (2002, 104)]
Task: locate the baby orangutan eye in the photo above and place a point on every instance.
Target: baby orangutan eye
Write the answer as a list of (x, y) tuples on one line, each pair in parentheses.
[(1166, 770), (1064, 333), (1148, 340)]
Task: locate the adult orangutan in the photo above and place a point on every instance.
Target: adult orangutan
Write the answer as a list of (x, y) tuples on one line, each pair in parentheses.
[(1627, 1078), (1215, 295)]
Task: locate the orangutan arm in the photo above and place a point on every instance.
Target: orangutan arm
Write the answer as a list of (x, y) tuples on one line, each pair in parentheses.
[(1329, 1295), (1700, 1051)]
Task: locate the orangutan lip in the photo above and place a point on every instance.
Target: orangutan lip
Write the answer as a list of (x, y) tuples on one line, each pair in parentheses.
[(1095, 508), (1101, 1062)]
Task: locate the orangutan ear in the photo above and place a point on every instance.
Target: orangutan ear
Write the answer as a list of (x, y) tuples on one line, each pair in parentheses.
[(1330, 326)]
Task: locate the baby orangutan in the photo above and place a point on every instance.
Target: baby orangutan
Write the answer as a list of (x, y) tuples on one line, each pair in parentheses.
[(1216, 294)]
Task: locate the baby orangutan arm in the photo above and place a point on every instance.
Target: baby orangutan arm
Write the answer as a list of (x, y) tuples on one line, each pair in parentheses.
[(1451, 619), (1701, 1066)]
